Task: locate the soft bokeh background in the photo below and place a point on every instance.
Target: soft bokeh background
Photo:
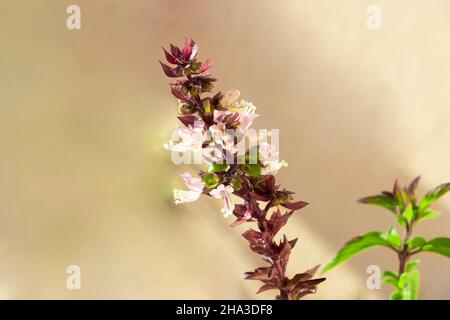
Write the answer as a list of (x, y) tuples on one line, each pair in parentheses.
[(83, 116)]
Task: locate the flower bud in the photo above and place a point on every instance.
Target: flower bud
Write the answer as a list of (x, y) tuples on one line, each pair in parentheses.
[(207, 106), (211, 180), (185, 109)]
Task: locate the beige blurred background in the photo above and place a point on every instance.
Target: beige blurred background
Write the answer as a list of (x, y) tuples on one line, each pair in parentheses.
[(83, 115)]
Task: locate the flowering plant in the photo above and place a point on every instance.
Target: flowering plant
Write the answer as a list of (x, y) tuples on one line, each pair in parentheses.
[(409, 212), (212, 128)]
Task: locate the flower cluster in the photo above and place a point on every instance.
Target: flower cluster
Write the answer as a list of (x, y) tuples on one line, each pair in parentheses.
[(215, 124)]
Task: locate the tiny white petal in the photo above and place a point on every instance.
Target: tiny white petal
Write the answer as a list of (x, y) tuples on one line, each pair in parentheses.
[(182, 196)]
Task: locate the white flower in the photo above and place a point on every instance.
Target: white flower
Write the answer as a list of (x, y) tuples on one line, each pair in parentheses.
[(245, 109), (272, 167), (195, 186), (218, 114), (230, 98), (247, 115), (269, 159), (222, 144), (222, 192), (182, 196), (186, 138)]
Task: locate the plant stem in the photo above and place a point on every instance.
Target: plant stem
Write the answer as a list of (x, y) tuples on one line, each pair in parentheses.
[(262, 226), (404, 253)]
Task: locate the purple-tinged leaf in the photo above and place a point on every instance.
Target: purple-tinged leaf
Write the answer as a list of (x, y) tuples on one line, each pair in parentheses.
[(171, 73), (401, 196), (413, 185), (179, 95), (263, 273), (170, 58), (295, 205), (286, 250), (188, 120), (388, 194), (176, 52), (307, 275), (237, 222), (267, 287), (260, 197), (306, 287), (293, 242), (278, 220), (207, 64), (194, 51), (187, 50), (381, 200)]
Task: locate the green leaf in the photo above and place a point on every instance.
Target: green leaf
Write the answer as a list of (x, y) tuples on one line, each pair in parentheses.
[(438, 245), (402, 220), (403, 280), (380, 200), (396, 295), (218, 167), (253, 170), (237, 183), (390, 282), (427, 214), (417, 242), (393, 238), (412, 265), (355, 246), (390, 278), (390, 274), (408, 213), (433, 195), (414, 285), (411, 288)]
